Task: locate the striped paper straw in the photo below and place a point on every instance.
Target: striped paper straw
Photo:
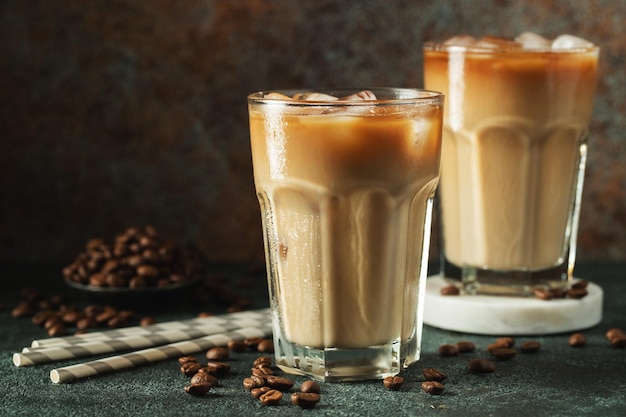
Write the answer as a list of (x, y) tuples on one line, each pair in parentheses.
[(263, 314), (90, 348), (146, 356)]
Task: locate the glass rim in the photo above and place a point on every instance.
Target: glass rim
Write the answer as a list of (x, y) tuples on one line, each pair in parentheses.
[(441, 46), (405, 95)]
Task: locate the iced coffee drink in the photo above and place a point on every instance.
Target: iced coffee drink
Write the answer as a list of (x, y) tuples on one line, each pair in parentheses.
[(345, 181), (515, 145)]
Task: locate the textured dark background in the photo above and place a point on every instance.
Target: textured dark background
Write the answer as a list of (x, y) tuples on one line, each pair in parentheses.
[(129, 112)]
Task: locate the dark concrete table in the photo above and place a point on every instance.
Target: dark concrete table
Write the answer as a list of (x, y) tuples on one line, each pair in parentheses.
[(559, 380)]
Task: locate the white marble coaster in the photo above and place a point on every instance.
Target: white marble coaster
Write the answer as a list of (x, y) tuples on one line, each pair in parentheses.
[(504, 315)]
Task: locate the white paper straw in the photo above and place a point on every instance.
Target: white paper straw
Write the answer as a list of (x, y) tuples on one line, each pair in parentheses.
[(58, 352), (142, 357), (151, 329)]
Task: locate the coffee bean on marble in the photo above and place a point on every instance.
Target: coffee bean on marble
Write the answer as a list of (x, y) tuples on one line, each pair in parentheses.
[(217, 354), (305, 399), (449, 290), (577, 340), (580, 285), (433, 374), (271, 397), (530, 346), (577, 293), (481, 366), (542, 294), (310, 386), (433, 387), (393, 382)]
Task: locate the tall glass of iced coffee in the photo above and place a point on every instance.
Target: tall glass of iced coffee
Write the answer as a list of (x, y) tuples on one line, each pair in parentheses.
[(514, 153), (345, 181)]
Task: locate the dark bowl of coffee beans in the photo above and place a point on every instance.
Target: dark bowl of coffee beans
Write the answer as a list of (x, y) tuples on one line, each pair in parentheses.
[(137, 267)]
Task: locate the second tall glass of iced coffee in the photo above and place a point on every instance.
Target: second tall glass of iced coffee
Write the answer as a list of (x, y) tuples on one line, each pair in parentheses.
[(514, 153), (345, 181)]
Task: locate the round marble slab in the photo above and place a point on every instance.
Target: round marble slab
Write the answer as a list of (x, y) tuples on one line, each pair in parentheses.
[(504, 315)]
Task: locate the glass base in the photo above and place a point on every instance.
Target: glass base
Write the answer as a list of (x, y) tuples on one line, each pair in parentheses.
[(335, 365), (512, 282)]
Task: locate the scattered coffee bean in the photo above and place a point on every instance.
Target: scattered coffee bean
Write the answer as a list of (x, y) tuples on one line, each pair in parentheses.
[(432, 374), (184, 359), (393, 382), (262, 361), (23, 309), (618, 341), (503, 353), (542, 293), (481, 366), (217, 368), (310, 386), (577, 340), (271, 397), (190, 368), (558, 292), (465, 346), (262, 371), (448, 350), (265, 346), (305, 399), (147, 321), (506, 341), (257, 392), (253, 381), (530, 346), (204, 378), (433, 387), (56, 330), (279, 382), (580, 285), (237, 346), (217, 354), (449, 290), (198, 390), (577, 293), (253, 342), (614, 332)]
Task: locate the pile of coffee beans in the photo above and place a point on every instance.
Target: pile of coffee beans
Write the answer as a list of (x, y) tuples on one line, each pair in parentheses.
[(137, 258), (576, 290), (263, 383)]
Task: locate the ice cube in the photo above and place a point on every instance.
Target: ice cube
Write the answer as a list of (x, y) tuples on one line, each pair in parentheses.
[(364, 95), (530, 40), (313, 96), (497, 42), (461, 40), (570, 42)]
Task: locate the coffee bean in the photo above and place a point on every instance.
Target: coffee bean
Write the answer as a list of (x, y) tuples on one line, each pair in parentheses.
[(558, 292), (432, 374), (481, 366), (310, 386), (190, 368), (253, 342), (449, 290), (217, 354), (257, 392), (41, 317), (262, 361), (393, 382), (433, 387), (305, 399), (530, 346), (577, 340), (614, 332), (57, 330), (217, 368), (577, 293), (184, 359), (254, 381), (448, 350), (262, 371), (465, 346), (237, 346), (198, 390), (278, 382), (147, 321), (265, 346), (505, 341), (503, 353), (580, 285), (204, 378), (23, 309), (542, 294), (271, 397)]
